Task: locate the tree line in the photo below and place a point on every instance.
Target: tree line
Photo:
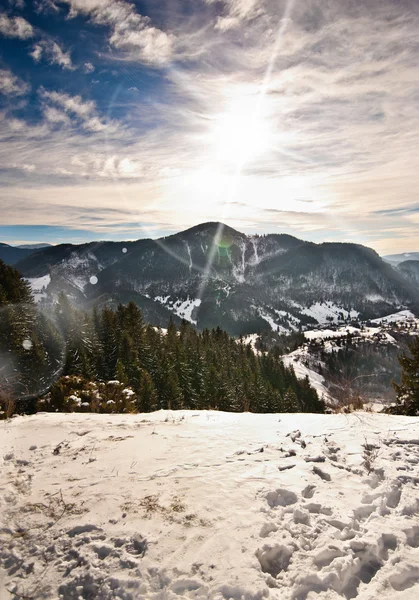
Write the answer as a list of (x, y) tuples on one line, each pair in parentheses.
[(177, 368)]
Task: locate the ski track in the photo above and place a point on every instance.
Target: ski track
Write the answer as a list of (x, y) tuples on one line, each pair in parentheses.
[(215, 505)]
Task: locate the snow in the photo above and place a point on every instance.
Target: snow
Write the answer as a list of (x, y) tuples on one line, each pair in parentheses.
[(184, 309), (269, 319), (403, 315), (209, 505), (297, 359), (181, 308), (38, 286), (190, 257), (326, 311), (251, 339), (365, 332)]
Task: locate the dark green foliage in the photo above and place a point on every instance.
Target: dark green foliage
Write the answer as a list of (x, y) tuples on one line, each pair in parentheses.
[(13, 288), (31, 347), (180, 368), (408, 389)]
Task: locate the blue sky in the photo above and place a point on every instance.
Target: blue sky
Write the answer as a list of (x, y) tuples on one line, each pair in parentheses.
[(122, 119)]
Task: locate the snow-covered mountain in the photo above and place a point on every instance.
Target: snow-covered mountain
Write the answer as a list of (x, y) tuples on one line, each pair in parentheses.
[(346, 363), (214, 275)]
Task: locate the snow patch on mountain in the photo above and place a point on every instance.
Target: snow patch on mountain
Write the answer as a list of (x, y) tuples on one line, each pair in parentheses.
[(39, 286), (251, 339), (300, 361), (326, 312), (403, 315), (269, 319), (364, 332), (182, 308)]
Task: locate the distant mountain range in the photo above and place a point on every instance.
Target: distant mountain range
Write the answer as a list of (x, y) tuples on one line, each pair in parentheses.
[(12, 254), (214, 275), (33, 246), (395, 259)]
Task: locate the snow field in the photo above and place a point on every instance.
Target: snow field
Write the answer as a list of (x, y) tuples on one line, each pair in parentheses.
[(38, 286), (171, 506)]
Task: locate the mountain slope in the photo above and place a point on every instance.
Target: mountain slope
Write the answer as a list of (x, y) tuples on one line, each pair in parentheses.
[(214, 275), (410, 270), (11, 254)]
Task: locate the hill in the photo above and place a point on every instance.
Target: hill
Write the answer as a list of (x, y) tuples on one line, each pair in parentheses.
[(214, 275)]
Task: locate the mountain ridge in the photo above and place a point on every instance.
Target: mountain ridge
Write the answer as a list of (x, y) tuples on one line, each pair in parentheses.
[(212, 274)]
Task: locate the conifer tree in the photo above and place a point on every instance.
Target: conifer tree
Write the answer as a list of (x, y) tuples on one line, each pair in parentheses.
[(408, 389), (147, 394)]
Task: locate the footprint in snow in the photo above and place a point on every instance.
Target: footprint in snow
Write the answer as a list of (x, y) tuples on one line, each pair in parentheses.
[(322, 474)]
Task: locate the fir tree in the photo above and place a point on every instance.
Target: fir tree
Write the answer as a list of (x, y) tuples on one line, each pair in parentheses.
[(408, 389)]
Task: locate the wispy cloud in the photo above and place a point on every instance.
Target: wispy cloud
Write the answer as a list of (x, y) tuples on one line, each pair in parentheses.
[(59, 107), (15, 27), (326, 91), (11, 85), (49, 50), (130, 31)]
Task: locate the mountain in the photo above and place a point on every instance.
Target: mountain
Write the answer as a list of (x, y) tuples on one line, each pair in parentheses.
[(33, 246), (395, 259), (214, 275), (12, 254), (410, 270)]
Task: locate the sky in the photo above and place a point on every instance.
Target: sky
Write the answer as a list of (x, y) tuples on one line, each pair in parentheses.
[(128, 119)]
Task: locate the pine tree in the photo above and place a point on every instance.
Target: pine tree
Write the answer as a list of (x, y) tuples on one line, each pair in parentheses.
[(291, 404), (147, 394), (408, 389)]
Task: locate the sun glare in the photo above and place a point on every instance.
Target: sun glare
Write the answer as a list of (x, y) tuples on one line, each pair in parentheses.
[(241, 132)]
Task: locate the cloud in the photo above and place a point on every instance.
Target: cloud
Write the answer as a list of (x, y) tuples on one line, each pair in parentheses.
[(88, 67), (11, 85), (333, 85), (50, 51), (56, 116), (58, 105), (15, 27), (131, 32), (20, 4), (236, 12)]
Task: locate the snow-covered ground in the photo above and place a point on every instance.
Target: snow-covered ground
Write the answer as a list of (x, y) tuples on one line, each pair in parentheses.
[(209, 505), (402, 315), (325, 312), (38, 286), (299, 359), (365, 333)]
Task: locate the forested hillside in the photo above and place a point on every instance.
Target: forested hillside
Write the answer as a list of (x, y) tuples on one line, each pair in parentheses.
[(72, 356)]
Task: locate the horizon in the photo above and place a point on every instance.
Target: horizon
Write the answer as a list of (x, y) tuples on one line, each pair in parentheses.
[(98, 240), (128, 119)]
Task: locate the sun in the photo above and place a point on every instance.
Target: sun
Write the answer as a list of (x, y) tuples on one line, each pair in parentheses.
[(241, 132)]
